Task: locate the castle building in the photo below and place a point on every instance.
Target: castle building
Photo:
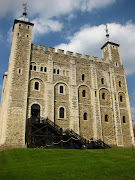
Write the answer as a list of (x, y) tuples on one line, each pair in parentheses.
[(84, 94)]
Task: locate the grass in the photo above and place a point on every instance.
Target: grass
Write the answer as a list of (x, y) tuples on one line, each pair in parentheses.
[(67, 164)]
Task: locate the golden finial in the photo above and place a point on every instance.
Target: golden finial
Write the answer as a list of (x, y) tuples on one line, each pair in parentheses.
[(25, 9), (25, 5), (107, 34)]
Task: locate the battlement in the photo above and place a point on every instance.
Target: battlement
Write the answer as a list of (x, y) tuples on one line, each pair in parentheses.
[(62, 52), (52, 50), (69, 53), (95, 59), (87, 57), (41, 47), (78, 55)]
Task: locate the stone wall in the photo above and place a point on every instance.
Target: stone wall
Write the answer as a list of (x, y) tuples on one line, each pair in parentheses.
[(92, 93)]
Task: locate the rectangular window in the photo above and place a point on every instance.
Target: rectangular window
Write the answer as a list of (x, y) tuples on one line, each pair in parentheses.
[(36, 85), (83, 93), (35, 68), (41, 69), (19, 71), (61, 89), (61, 112), (45, 69), (30, 67)]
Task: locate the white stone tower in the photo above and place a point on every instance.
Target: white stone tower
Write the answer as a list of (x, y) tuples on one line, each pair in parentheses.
[(14, 110)]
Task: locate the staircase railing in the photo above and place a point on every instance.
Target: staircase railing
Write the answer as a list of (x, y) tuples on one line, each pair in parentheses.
[(77, 136), (69, 133), (37, 120)]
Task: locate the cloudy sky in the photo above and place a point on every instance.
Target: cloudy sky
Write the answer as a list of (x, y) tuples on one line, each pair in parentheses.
[(75, 25)]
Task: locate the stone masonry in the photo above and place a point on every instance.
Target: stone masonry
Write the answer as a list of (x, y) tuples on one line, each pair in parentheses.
[(84, 94)]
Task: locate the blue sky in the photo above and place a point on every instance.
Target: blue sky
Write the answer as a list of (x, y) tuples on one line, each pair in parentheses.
[(75, 25)]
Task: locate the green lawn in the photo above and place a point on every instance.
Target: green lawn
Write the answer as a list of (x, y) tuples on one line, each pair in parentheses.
[(18, 164)]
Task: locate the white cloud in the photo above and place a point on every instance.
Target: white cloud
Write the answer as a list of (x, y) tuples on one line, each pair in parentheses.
[(45, 26), (90, 39), (50, 8), (89, 5), (71, 16), (9, 35), (47, 10)]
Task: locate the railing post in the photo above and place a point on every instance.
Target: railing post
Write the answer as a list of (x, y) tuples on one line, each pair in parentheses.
[(71, 143), (61, 131)]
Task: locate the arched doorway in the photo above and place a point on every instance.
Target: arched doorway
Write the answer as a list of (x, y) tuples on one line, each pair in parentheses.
[(35, 110)]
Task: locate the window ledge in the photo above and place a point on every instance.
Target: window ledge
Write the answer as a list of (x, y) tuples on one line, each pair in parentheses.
[(62, 119)]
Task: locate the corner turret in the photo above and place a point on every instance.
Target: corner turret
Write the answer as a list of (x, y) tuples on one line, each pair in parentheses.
[(110, 51), (14, 116)]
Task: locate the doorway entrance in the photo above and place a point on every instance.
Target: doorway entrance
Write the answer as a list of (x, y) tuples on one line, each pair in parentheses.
[(35, 110)]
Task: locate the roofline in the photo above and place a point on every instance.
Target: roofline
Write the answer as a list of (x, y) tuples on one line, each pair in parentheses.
[(19, 21), (109, 42)]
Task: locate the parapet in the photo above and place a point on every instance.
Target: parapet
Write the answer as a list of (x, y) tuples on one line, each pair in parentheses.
[(62, 52), (78, 55), (95, 59), (32, 46), (40, 47), (52, 50), (69, 53), (87, 57), (101, 60)]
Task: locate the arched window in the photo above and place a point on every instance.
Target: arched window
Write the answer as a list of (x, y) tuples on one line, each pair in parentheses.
[(85, 116), (31, 67), (41, 69), (36, 85), (121, 98), (61, 113), (102, 80), (103, 95), (35, 110), (119, 83), (106, 118), (124, 119), (83, 93), (35, 68), (45, 69), (61, 89), (116, 64), (20, 71), (83, 77)]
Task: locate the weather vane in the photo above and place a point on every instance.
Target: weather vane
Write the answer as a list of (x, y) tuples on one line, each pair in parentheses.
[(107, 34), (25, 9)]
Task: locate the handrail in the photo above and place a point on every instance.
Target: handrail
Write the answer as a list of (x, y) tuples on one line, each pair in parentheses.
[(69, 133), (38, 120)]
